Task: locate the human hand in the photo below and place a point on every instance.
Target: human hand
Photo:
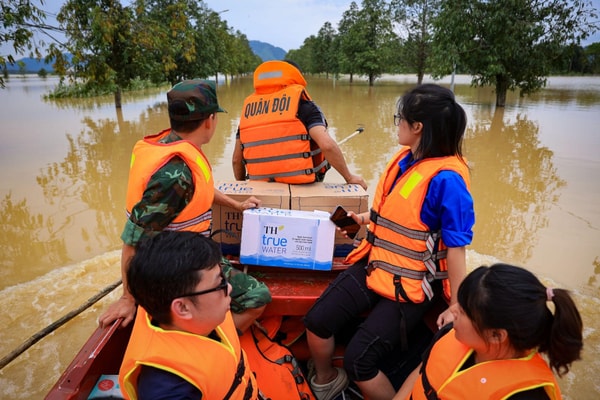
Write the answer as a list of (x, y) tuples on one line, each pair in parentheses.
[(250, 202), (447, 316), (357, 180), (124, 308)]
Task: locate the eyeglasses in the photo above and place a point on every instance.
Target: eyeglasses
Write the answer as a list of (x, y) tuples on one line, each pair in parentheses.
[(398, 118), (221, 286)]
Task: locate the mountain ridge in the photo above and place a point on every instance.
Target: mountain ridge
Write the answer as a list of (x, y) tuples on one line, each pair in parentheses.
[(265, 51)]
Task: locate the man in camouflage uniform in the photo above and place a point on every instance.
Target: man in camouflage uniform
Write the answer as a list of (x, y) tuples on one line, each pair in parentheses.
[(161, 186)]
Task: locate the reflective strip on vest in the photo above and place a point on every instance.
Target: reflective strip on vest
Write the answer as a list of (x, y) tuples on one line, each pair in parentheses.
[(181, 226), (429, 257)]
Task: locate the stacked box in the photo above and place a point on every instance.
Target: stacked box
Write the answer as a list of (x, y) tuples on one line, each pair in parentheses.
[(326, 197), (287, 238), (227, 222)]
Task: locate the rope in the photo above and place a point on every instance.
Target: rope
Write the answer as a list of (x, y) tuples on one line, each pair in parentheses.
[(56, 324)]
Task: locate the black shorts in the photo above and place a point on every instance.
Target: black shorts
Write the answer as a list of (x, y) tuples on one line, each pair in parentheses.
[(385, 327)]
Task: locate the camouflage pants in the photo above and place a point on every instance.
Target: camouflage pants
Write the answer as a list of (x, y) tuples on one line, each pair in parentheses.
[(247, 291)]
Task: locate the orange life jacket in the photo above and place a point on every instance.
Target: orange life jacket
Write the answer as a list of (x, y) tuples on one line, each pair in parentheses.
[(277, 371), (149, 156), (275, 144), (218, 369), (493, 380), (404, 256)]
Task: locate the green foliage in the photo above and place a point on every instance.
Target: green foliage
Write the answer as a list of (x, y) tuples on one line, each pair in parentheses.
[(416, 20), (592, 54), (508, 44), (366, 39), (155, 40), (17, 18)]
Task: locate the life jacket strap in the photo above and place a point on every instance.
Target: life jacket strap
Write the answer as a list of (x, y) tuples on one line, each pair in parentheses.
[(304, 154), (397, 228), (424, 256), (263, 142), (237, 379), (306, 171), (180, 226)]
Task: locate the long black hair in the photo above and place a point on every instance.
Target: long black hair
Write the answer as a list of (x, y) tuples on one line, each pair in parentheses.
[(444, 120), (507, 297)]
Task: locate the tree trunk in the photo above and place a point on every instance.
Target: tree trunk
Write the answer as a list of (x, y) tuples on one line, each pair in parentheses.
[(351, 77), (118, 97), (371, 79), (501, 89)]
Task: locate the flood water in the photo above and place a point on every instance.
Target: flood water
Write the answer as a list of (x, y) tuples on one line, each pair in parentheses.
[(535, 179)]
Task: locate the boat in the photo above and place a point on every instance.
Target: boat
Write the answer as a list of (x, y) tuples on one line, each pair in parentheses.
[(293, 292)]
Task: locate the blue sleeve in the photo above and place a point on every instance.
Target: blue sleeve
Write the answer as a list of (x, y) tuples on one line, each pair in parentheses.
[(157, 384), (448, 207)]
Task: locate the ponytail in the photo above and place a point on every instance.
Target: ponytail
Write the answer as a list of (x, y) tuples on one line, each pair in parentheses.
[(565, 340)]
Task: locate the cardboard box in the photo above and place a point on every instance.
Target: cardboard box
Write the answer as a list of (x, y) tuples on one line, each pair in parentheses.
[(227, 222), (287, 238), (325, 196)]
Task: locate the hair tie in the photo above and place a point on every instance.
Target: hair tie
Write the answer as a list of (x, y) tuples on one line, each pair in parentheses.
[(549, 294)]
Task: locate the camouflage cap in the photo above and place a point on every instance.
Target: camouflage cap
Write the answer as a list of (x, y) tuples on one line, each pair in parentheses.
[(192, 100)]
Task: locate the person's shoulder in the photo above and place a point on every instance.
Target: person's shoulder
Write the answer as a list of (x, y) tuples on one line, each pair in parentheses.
[(155, 383)]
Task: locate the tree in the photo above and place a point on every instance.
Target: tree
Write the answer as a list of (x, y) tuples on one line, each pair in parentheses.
[(305, 55), (348, 35), (508, 44), (102, 43), (17, 19), (592, 53), (325, 54), (367, 35), (416, 17)]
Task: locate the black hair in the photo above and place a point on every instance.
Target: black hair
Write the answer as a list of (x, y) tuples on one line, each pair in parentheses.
[(294, 64), (507, 297), (444, 120), (167, 266), (187, 126)]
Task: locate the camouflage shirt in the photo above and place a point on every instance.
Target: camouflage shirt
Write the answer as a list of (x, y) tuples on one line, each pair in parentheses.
[(169, 190)]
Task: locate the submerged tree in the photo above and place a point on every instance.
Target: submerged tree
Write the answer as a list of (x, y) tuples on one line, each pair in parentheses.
[(416, 17), (19, 19), (101, 42), (366, 35), (508, 44)]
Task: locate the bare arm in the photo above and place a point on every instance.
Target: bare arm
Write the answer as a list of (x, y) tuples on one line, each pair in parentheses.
[(124, 307), (407, 387), (334, 155), (457, 270), (237, 162)]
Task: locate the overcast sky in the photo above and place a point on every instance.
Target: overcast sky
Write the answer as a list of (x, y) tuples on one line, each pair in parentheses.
[(282, 23)]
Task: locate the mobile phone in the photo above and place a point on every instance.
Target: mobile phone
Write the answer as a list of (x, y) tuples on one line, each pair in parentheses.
[(340, 218)]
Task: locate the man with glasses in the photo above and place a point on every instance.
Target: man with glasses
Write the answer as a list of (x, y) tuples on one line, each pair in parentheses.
[(184, 344), (171, 188)]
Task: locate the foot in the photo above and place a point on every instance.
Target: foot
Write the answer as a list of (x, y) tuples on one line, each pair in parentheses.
[(329, 391)]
